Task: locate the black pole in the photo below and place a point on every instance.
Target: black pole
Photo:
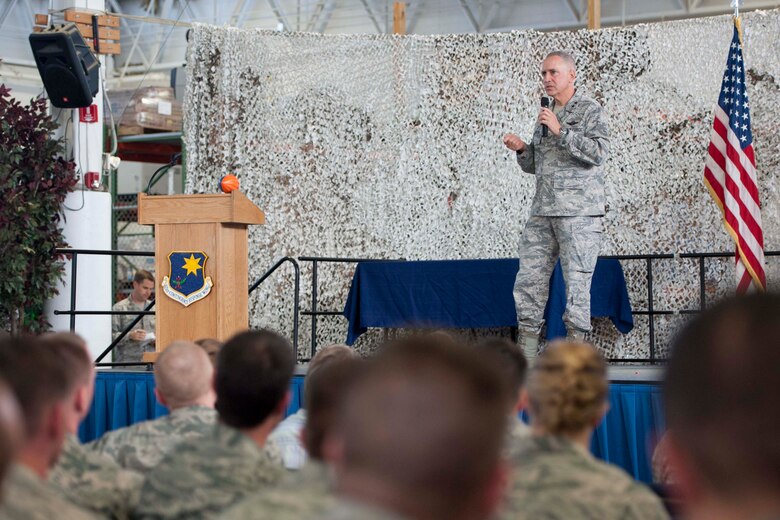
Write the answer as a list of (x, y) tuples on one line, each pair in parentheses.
[(313, 307), (296, 308), (702, 293), (73, 274), (650, 312)]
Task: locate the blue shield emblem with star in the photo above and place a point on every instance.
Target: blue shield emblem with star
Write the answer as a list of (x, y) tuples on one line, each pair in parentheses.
[(187, 281)]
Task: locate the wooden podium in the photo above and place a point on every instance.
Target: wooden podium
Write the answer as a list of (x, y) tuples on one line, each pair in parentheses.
[(215, 225)]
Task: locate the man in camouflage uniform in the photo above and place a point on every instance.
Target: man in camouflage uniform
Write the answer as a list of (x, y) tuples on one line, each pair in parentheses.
[(42, 387), (569, 205), (421, 435), (183, 377), (203, 477), (84, 477), (309, 491), (136, 342)]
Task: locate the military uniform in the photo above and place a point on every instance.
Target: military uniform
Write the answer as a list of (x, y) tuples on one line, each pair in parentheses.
[(142, 446), (307, 493), (27, 497), (553, 478), (202, 477), (347, 509), (517, 431), (129, 350), (566, 214), (95, 482)]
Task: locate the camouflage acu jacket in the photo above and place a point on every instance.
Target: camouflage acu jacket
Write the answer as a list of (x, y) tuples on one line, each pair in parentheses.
[(202, 477), (95, 482), (552, 478), (569, 168), (27, 497), (142, 446), (306, 493)]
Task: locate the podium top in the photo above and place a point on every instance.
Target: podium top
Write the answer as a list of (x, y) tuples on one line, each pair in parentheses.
[(232, 207)]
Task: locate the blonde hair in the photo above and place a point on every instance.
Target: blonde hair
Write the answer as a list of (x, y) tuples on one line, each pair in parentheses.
[(567, 387)]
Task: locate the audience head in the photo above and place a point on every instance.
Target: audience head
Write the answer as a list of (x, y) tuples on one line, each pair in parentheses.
[(10, 429), (211, 346), (184, 376), (253, 378), (42, 386), (511, 364), (72, 352), (720, 393), (421, 432), (324, 357), (325, 390), (143, 285), (567, 389)]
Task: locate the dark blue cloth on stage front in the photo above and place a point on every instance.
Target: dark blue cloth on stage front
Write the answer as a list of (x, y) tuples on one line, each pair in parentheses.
[(625, 437), (123, 398), (468, 294)]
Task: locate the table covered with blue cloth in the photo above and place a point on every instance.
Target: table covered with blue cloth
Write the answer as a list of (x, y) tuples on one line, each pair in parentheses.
[(469, 294)]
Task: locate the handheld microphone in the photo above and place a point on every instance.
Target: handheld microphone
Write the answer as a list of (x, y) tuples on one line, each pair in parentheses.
[(545, 104)]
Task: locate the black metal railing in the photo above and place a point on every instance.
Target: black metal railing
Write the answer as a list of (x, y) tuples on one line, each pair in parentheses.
[(72, 312), (296, 293), (651, 312), (315, 312)]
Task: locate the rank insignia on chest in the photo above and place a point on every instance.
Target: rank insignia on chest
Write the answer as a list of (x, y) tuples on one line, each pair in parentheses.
[(187, 281)]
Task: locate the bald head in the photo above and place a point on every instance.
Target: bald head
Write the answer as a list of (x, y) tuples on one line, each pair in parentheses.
[(183, 375), (423, 428)]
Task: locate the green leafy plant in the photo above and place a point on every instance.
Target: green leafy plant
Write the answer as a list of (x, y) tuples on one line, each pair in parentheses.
[(34, 180)]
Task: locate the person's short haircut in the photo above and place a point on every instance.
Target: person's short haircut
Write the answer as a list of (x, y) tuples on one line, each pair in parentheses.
[(254, 369), (142, 275), (510, 362), (721, 394), (567, 387), (325, 391), (323, 357), (183, 373), (71, 350), (37, 378), (426, 419), (565, 56)]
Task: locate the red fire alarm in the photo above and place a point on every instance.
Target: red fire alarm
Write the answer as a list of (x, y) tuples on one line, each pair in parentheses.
[(92, 180), (88, 114)]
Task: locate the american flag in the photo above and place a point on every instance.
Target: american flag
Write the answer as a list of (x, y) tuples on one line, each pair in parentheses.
[(730, 170)]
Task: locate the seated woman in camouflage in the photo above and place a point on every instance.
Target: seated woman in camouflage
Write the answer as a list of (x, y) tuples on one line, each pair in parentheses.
[(554, 473)]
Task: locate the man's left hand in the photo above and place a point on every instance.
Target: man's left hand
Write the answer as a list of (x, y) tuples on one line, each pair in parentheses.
[(547, 117)]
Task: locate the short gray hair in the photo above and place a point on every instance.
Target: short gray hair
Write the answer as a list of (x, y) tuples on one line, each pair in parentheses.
[(565, 56)]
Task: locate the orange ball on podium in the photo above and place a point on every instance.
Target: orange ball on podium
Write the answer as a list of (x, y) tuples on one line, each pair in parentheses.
[(228, 183)]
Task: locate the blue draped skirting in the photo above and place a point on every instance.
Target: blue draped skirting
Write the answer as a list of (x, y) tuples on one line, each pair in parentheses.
[(624, 438)]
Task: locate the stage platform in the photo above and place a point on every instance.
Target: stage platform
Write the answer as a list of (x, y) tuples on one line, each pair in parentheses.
[(626, 436)]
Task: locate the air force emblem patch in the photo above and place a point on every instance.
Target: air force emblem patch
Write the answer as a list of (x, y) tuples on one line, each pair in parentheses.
[(187, 283)]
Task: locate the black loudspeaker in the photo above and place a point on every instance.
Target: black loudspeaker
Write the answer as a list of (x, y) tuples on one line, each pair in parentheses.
[(68, 68)]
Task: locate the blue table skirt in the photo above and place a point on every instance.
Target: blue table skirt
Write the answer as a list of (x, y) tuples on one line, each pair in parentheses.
[(469, 294), (624, 438)]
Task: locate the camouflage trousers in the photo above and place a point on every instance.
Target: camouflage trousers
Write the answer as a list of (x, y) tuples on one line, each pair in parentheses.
[(576, 240)]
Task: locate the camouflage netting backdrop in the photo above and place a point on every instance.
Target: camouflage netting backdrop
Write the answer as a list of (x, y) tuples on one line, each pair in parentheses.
[(390, 147)]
